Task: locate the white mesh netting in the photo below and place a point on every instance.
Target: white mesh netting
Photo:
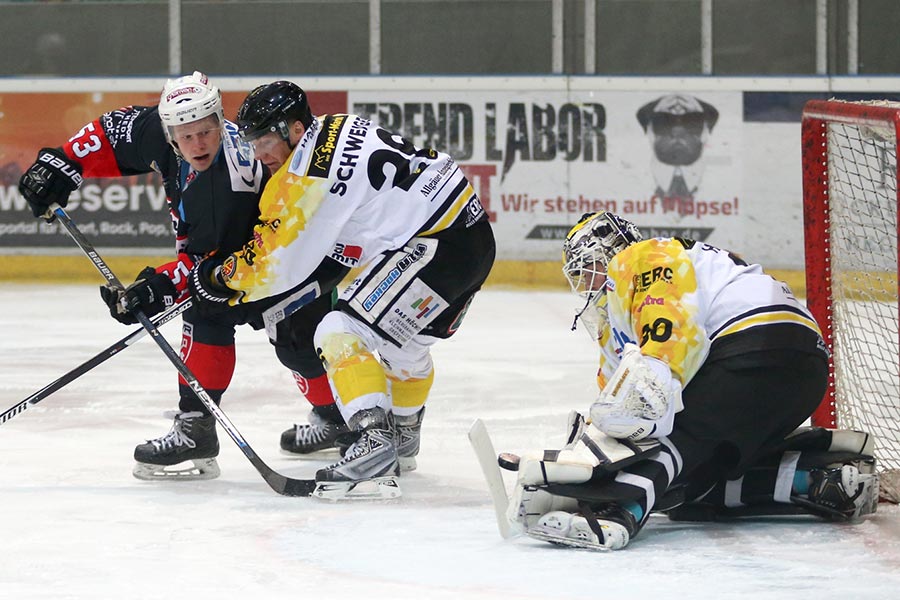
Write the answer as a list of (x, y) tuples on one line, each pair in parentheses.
[(862, 169)]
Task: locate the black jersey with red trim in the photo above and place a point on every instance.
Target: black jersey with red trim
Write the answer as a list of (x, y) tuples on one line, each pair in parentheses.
[(215, 209)]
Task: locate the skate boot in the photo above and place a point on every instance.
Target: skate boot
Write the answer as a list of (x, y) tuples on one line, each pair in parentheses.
[(608, 528), (843, 492), (319, 436), (409, 432), (370, 460), (192, 438)]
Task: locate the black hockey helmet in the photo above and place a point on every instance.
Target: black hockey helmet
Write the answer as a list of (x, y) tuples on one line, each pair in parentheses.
[(271, 108)]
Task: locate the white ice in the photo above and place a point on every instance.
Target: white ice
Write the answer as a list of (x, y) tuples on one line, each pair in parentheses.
[(74, 523)]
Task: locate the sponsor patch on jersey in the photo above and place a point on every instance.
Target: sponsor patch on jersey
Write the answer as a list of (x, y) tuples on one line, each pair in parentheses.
[(229, 267), (411, 312), (326, 145), (187, 340), (643, 281), (347, 255), (650, 300), (405, 263)]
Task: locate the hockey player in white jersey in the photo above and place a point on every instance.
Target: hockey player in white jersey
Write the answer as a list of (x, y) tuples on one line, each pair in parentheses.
[(408, 218), (708, 366)]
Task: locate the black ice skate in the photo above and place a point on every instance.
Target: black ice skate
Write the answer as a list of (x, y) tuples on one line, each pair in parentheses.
[(371, 460), (318, 436), (192, 438), (409, 432), (843, 492)]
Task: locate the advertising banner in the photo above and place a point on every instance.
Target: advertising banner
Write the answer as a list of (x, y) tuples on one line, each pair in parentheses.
[(669, 162), (720, 164)]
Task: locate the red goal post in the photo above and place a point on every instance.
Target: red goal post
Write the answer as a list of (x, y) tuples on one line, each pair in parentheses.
[(850, 207)]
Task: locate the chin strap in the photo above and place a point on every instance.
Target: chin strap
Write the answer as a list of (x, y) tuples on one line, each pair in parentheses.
[(587, 304)]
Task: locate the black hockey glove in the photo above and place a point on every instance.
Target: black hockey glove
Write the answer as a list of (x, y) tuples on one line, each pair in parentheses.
[(151, 293), (206, 284), (51, 178)]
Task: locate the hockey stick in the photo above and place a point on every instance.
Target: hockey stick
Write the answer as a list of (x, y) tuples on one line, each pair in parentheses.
[(278, 482), (487, 458), (100, 358)]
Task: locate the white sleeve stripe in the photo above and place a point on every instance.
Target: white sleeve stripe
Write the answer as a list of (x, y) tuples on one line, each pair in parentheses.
[(670, 447), (639, 481), (733, 489), (784, 481)]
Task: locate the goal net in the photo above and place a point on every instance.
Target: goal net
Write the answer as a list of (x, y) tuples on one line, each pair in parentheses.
[(850, 224)]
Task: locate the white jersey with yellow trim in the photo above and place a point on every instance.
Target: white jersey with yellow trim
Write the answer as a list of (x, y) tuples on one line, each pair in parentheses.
[(675, 298), (349, 191)]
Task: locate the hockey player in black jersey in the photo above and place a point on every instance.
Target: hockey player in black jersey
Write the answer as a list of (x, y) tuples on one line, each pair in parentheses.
[(213, 187)]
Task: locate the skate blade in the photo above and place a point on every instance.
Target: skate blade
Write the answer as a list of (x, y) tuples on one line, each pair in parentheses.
[(193, 470), (564, 541), (324, 454), (379, 488)]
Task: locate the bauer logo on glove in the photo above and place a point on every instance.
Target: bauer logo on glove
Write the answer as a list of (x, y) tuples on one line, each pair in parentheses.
[(51, 178)]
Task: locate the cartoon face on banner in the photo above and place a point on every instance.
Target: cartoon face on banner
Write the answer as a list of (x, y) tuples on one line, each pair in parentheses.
[(677, 127)]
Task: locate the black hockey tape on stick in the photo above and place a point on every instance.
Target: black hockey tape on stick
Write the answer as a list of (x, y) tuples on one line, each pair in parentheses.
[(100, 358), (278, 482), (508, 461)]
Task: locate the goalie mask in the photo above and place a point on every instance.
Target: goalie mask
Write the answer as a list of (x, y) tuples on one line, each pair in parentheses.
[(186, 100), (589, 246)]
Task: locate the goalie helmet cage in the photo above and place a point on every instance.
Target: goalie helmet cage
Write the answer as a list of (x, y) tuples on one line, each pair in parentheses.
[(850, 230)]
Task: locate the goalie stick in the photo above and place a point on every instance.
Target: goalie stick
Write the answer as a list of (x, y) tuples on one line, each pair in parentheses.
[(278, 482), (487, 458), (100, 358)]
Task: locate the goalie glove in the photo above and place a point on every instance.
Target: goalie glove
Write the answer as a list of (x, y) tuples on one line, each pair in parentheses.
[(51, 178), (640, 400)]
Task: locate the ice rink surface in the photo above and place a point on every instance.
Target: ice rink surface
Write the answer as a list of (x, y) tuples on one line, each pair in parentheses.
[(76, 524)]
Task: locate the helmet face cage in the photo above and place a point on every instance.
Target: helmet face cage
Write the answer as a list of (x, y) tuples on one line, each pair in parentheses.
[(186, 100), (271, 108), (589, 247)]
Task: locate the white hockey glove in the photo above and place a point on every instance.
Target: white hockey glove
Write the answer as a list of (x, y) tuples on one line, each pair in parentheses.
[(640, 400)]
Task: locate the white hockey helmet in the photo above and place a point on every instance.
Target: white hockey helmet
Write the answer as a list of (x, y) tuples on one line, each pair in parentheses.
[(188, 99), (589, 247)]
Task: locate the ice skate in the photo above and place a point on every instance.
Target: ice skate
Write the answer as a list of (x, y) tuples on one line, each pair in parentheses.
[(369, 469), (316, 438), (191, 440), (613, 529), (844, 492), (409, 433)]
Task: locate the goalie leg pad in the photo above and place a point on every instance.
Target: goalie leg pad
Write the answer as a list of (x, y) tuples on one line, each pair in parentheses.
[(587, 453), (838, 486), (530, 502)]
